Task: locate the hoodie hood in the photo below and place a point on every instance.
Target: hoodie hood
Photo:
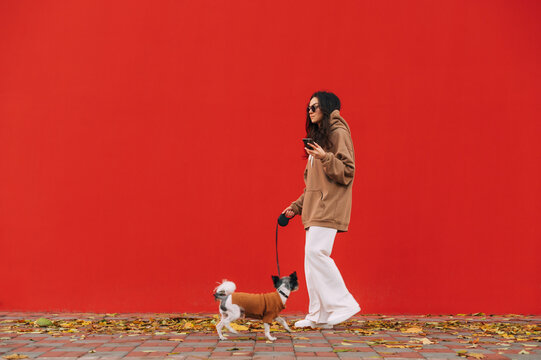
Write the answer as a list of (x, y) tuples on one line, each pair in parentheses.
[(337, 121)]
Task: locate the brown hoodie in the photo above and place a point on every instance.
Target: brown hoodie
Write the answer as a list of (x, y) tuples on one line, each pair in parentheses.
[(326, 200)]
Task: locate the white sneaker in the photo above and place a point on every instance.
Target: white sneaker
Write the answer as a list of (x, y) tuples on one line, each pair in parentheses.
[(304, 323)]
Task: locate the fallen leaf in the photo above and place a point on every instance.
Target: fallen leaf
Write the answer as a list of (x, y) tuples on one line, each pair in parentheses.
[(424, 341), (476, 355), (239, 327), (413, 330), (345, 343), (523, 352), (15, 356), (43, 322)]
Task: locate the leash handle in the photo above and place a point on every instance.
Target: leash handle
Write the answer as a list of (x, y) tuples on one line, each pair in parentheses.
[(277, 262)]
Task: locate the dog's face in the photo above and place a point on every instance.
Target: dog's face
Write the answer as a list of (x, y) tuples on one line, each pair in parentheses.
[(291, 281)]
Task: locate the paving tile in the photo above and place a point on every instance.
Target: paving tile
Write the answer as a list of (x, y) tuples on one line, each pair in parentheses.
[(313, 349), (306, 344)]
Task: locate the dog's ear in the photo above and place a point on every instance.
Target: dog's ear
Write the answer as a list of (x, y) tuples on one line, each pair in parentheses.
[(293, 275), (294, 283), (276, 281)]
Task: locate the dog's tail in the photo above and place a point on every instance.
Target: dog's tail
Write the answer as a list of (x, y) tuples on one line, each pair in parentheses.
[(225, 289)]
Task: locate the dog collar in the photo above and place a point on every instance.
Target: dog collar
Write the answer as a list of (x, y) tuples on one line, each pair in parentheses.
[(281, 292)]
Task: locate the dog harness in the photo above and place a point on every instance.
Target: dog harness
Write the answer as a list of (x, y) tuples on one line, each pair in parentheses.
[(265, 307)]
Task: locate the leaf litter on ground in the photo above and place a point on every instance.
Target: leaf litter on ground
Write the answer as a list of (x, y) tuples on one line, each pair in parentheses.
[(471, 330)]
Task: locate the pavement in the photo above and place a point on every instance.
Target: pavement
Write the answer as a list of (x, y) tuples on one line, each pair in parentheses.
[(193, 336)]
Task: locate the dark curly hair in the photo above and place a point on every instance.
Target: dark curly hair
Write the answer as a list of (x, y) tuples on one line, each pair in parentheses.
[(328, 102)]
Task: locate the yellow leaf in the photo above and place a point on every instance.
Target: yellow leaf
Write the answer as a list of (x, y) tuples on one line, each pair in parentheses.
[(188, 325), (476, 355), (424, 341), (523, 352), (15, 356), (239, 327), (413, 330), (345, 343)]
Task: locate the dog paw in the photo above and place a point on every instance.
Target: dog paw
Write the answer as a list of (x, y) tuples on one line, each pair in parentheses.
[(271, 338)]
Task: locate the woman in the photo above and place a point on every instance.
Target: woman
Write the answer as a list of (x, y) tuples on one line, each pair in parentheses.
[(325, 206)]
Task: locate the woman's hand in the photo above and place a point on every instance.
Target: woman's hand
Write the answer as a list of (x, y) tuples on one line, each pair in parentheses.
[(316, 151), (288, 211)]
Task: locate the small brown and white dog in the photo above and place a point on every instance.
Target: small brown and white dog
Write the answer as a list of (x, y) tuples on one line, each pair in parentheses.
[(264, 307)]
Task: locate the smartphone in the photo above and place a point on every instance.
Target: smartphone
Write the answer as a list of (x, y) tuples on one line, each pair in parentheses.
[(307, 141)]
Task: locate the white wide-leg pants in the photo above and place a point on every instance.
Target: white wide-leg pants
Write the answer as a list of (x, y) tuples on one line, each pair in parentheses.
[(330, 300)]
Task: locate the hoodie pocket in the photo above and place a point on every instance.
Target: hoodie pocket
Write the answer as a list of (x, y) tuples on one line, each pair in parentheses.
[(314, 207)]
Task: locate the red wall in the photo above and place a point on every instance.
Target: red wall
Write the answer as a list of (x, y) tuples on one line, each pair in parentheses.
[(147, 148)]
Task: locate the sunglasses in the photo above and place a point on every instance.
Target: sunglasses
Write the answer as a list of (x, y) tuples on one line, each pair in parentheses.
[(312, 108)]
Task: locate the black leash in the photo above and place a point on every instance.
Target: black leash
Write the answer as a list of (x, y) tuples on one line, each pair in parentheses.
[(277, 262), (282, 221)]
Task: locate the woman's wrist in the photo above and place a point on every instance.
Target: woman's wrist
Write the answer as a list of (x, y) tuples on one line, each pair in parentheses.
[(323, 157)]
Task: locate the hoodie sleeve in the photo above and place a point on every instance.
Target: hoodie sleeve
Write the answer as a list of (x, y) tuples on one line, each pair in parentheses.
[(340, 166), (297, 204)]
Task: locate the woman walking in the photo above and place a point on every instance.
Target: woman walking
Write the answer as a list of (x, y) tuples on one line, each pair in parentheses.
[(325, 206)]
